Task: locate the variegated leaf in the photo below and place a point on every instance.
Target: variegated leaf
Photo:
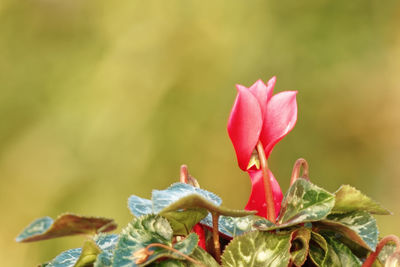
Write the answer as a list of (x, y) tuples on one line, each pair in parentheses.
[(202, 256), (107, 244), (182, 221), (321, 254), (197, 201), (359, 226), (149, 230), (69, 258), (346, 256), (258, 249), (305, 202), (164, 198), (65, 225), (299, 249), (140, 206), (350, 199), (89, 253)]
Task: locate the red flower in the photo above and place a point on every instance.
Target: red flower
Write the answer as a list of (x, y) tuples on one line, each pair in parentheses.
[(198, 229), (258, 115), (257, 197)]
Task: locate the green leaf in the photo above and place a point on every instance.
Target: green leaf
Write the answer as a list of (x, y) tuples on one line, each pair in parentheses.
[(88, 255), (234, 226), (144, 231), (197, 201), (185, 246), (140, 206), (318, 249), (263, 224), (346, 257), (66, 259), (359, 226), (321, 254), (349, 199), (164, 198), (305, 202), (393, 260), (183, 221), (168, 263), (183, 196), (107, 244), (69, 258), (358, 250), (65, 225), (386, 251), (258, 249), (202, 256), (300, 245)]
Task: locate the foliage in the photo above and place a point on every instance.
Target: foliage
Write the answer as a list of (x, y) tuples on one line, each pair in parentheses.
[(314, 227)]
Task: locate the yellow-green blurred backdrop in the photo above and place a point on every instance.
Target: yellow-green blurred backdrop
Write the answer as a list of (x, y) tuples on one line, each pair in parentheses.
[(103, 99)]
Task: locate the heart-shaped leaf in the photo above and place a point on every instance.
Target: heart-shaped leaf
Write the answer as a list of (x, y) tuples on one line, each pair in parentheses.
[(202, 256), (140, 206), (164, 198), (359, 226), (69, 258), (107, 244), (305, 202), (386, 251), (66, 259), (258, 249), (346, 257), (393, 260), (168, 263), (349, 199), (65, 225), (235, 226), (193, 201), (89, 253), (321, 254), (182, 221), (148, 230), (300, 239)]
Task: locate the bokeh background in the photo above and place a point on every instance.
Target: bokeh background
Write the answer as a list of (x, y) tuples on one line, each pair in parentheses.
[(103, 99)]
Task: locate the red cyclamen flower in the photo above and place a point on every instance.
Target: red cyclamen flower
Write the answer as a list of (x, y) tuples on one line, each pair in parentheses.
[(258, 115)]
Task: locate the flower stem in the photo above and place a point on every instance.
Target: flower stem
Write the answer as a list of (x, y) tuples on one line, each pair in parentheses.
[(184, 174), (267, 183), (186, 178), (300, 163), (217, 246), (372, 257)]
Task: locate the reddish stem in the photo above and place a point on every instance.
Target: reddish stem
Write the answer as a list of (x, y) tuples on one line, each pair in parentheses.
[(372, 257), (217, 246), (186, 178), (184, 174), (267, 183), (300, 163)]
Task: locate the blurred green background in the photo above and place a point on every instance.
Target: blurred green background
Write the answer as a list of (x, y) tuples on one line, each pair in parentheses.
[(103, 99)]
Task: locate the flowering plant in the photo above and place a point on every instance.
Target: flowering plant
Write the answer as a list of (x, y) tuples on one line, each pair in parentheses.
[(185, 225), (257, 122)]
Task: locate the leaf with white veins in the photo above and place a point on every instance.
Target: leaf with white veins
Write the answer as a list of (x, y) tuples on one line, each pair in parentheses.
[(350, 199), (258, 249)]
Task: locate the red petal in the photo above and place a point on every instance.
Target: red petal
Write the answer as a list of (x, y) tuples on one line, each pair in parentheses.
[(198, 229), (280, 119), (257, 200), (263, 92), (244, 125)]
